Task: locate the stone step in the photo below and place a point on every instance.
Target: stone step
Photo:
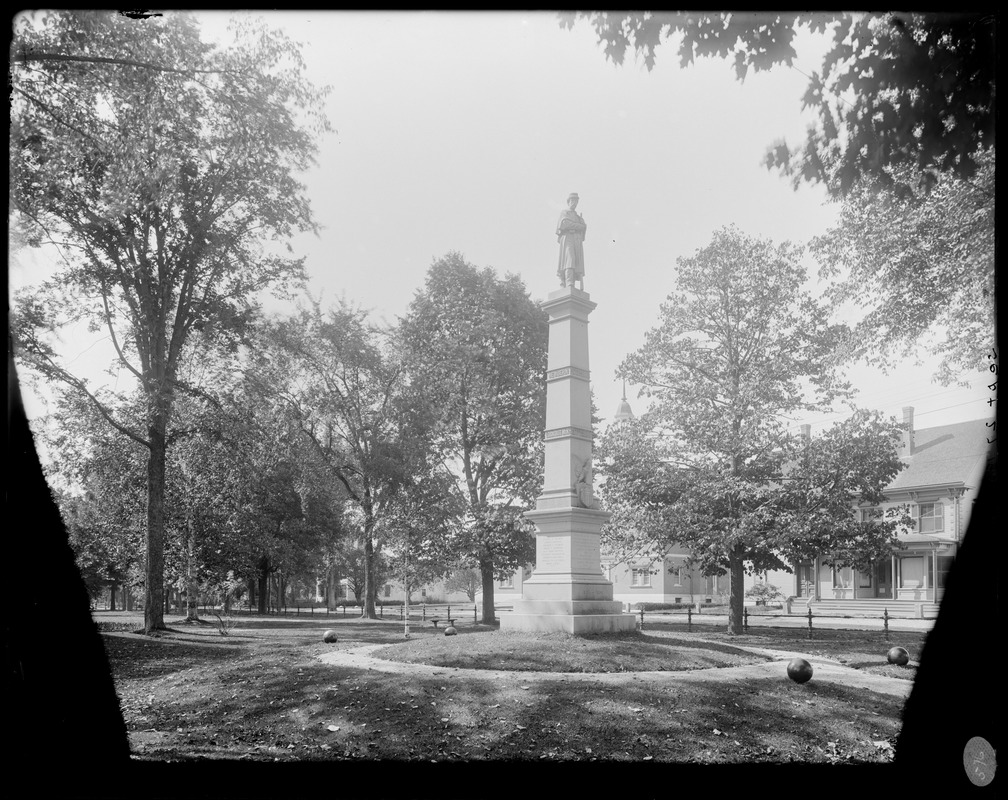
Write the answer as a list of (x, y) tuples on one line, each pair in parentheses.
[(871, 607)]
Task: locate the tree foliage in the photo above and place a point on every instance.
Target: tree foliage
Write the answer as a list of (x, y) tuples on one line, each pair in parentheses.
[(345, 389), (898, 89), (739, 347), (476, 346), (921, 265), (154, 166), (466, 580)]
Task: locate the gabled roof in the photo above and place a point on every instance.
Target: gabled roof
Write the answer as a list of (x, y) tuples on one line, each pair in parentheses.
[(948, 455)]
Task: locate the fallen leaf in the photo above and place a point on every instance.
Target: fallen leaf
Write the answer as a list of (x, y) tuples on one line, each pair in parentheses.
[(717, 732), (333, 728), (647, 758)]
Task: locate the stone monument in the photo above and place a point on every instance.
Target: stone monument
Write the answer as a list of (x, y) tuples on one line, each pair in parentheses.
[(567, 591)]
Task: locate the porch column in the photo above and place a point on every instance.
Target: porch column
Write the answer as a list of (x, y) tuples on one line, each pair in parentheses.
[(934, 561), (893, 577)]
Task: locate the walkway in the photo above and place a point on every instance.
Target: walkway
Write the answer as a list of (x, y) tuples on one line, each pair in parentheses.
[(825, 670)]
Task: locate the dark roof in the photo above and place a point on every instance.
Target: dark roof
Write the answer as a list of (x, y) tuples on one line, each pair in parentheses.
[(948, 455)]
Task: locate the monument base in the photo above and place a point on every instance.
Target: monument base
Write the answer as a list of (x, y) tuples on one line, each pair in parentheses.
[(567, 592), (541, 620)]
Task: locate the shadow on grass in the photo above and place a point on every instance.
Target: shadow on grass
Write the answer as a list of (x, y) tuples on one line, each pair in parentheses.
[(287, 711), (144, 656)]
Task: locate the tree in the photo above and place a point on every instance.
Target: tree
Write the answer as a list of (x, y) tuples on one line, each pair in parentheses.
[(465, 580), (424, 528), (921, 265), (154, 165), (476, 346), (344, 387), (898, 89), (97, 476), (740, 346)]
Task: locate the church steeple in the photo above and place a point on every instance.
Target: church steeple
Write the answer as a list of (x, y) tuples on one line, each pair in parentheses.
[(623, 411)]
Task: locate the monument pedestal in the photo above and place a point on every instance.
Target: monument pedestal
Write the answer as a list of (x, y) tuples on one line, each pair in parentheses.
[(567, 591)]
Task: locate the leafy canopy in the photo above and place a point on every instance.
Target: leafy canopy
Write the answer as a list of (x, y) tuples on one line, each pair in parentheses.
[(740, 346), (920, 265), (898, 89), (156, 167)]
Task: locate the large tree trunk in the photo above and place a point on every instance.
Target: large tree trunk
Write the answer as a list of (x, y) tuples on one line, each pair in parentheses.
[(332, 588), (192, 590), (112, 594), (736, 587), (263, 584), (487, 573), (154, 584), (251, 593), (369, 587)]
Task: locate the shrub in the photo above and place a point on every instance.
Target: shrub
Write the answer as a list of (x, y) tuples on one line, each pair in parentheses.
[(662, 606), (764, 593)]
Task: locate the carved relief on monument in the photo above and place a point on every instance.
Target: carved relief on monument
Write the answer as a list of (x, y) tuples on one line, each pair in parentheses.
[(581, 482)]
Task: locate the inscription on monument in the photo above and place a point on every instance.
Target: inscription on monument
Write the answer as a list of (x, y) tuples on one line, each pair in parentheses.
[(577, 433), (563, 372), (552, 554)]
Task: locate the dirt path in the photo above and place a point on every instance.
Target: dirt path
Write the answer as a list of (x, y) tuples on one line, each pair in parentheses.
[(824, 670)]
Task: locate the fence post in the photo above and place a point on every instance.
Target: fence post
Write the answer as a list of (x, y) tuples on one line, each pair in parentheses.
[(381, 610), (642, 616), (448, 614), (885, 622), (689, 618), (745, 619), (474, 614), (423, 612), (344, 609), (810, 623)]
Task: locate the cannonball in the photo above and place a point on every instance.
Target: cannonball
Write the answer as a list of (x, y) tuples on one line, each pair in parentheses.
[(799, 670), (450, 631), (329, 637), (898, 656)]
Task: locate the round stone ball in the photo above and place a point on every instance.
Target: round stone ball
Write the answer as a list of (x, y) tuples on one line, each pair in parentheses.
[(898, 656), (799, 670), (450, 631), (329, 637)]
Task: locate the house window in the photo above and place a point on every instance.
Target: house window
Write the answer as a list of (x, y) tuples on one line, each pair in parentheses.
[(423, 592), (944, 565), (912, 573), (388, 589), (842, 577), (930, 517), (680, 575), (870, 514), (640, 577), (864, 579), (507, 583)]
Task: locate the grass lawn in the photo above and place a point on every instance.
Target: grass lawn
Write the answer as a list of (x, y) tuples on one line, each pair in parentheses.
[(261, 694)]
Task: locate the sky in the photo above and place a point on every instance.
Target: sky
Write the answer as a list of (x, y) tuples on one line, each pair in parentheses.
[(466, 132)]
